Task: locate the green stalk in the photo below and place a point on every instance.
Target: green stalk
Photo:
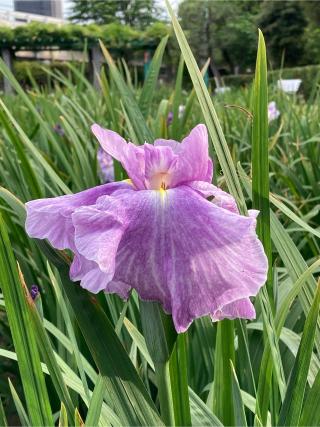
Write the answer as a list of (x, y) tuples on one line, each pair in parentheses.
[(179, 382), (160, 336), (164, 392), (223, 377)]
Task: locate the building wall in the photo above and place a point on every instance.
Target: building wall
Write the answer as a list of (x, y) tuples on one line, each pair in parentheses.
[(40, 7)]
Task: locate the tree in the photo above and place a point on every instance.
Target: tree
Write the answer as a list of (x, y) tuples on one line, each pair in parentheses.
[(137, 13), (283, 24), (223, 30)]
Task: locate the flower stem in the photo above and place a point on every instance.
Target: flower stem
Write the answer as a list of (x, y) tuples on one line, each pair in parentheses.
[(164, 392)]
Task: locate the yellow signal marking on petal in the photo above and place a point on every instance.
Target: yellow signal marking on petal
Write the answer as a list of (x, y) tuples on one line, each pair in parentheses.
[(163, 193), (128, 181)]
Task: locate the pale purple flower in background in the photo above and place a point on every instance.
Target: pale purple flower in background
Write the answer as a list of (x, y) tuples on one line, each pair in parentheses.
[(58, 129), (169, 118), (34, 291), (273, 112), (180, 114), (158, 233), (106, 165)]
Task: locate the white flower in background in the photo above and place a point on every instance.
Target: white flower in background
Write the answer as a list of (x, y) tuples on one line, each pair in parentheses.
[(222, 89), (289, 85), (273, 112), (181, 110)]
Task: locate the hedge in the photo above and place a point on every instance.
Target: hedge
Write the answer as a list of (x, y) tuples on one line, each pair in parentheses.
[(38, 36), (310, 75)]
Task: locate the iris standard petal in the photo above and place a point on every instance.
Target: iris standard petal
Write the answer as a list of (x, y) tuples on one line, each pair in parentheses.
[(194, 257), (130, 155), (51, 218), (194, 163), (110, 141), (159, 166)]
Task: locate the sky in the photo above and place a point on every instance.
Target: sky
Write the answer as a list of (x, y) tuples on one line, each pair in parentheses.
[(8, 5)]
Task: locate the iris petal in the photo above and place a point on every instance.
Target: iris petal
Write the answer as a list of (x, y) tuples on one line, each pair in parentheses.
[(160, 236), (189, 254), (51, 218)]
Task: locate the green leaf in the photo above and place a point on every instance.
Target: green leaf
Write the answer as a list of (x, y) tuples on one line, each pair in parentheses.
[(96, 401), (222, 384), (159, 334), (292, 405), (71, 333), (175, 132), (239, 411), (16, 205), (78, 421), (24, 340), (260, 156), (158, 331), (63, 419), (122, 381), (139, 340), (3, 419), (210, 115), (200, 413), (290, 256), (29, 175), (35, 152), (24, 419), (49, 358), (179, 382), (128, 100), (310, 414), (33, 110), (150, 83)]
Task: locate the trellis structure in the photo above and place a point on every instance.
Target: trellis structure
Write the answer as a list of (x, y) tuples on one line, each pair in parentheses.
[(43, 37)]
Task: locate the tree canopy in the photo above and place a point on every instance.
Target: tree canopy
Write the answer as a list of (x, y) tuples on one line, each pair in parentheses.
[(136, 13), (226, 30)]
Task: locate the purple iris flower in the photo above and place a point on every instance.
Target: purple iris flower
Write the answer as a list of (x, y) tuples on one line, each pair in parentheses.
[(169, 118), (105, 162), (273, 112), (158, 233), (58, 129), (34, 291)]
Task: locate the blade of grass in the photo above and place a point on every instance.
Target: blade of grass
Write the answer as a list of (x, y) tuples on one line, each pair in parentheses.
[(175, 129), (210, 115), (310, 414), (179, 382), (63, 419), (260, 156), (222, 387), (24, 419), (33, 110), (49, 358), (23, 335), (239, 411), (200, 413), (35, 152), (123, 383), (128, 100), (150, 83), (292, 405), (96, 401)]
